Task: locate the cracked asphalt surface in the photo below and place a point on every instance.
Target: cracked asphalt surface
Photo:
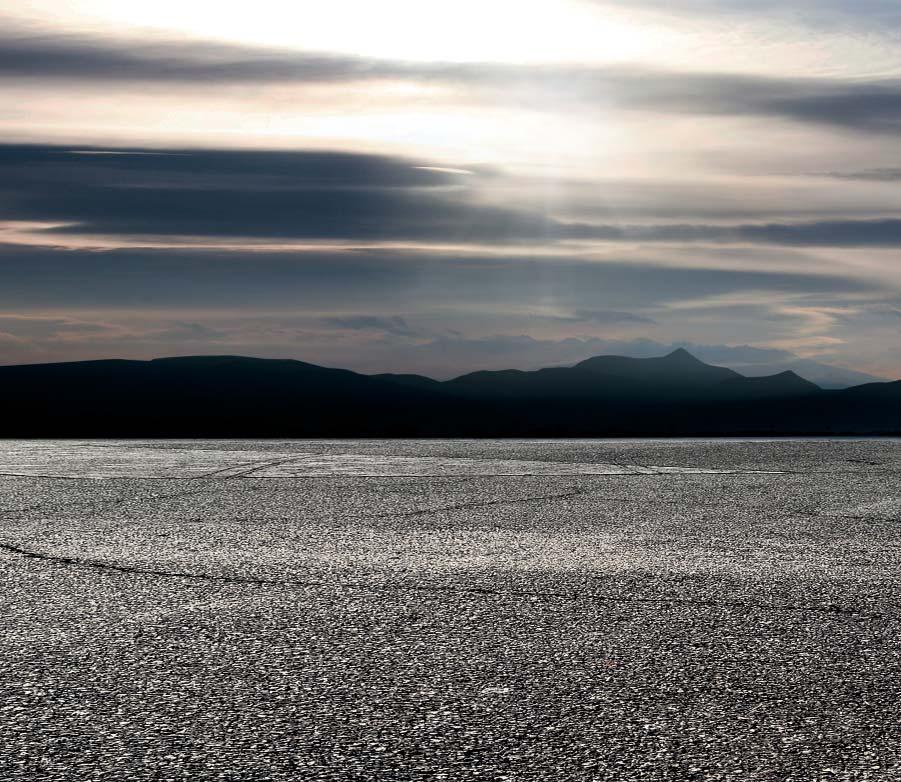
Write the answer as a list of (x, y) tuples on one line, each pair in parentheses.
[(459, 610)]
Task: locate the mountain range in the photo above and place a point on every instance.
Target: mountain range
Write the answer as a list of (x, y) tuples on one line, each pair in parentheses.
[(234, 396)]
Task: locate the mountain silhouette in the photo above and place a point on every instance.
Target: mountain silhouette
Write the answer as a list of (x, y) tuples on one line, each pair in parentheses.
[(235, 396), (678, 369), (678, 375), (783, 385)]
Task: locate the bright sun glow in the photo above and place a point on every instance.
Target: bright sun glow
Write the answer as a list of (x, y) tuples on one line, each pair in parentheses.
[(462, 31)]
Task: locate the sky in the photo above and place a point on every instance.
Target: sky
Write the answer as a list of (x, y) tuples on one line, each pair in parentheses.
[(439, 186)]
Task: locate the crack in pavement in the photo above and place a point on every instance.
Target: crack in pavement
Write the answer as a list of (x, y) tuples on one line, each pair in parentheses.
[(219, 472), (223, 472), (575, 492), (825, 609), (627, 470), (48, 476), (216, 478), (253, 466), (571, 492), (103, 505)]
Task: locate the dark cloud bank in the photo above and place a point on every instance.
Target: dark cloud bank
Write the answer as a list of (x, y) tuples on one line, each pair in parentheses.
[(329, 196), (170, 278)]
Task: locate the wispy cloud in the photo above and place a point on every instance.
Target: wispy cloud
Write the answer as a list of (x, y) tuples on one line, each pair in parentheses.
[(394, 325), (602, 317), (870, 105), (872, 15)]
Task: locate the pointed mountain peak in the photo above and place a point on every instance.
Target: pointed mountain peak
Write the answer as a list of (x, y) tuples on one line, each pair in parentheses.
[(681, 354), (790, 376)]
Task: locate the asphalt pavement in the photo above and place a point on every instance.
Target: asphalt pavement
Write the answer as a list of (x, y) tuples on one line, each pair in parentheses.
[(450, 610)]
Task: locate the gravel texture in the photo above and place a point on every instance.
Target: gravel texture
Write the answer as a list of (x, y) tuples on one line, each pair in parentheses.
[(450, 610)]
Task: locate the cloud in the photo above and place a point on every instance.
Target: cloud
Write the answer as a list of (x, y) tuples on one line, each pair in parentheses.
[(603, 317), (816, 233), (187, 332), (868, 175), (235, 193), (394, 325), (321, 196), (409, 282), (872, 105), (36, 166), (73, 57), (38, 326), (7, 340), (871, 15)]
